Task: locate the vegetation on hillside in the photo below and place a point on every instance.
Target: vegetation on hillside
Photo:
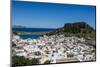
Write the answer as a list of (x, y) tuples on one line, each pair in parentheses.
[(79, 29), (22, 61)]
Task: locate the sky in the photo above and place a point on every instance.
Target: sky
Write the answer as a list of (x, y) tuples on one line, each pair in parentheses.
[(46, 15)]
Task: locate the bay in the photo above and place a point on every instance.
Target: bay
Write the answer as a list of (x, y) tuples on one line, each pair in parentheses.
[(30, 36)]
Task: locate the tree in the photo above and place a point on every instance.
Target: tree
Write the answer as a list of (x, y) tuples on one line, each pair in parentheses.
[(13, 45), (22, 61), (15, 33), (35, 61)]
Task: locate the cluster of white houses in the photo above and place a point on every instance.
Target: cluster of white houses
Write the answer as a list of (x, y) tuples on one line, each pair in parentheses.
[(55, 48)]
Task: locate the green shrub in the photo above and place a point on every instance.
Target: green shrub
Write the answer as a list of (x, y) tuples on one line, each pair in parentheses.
[(22, 61)]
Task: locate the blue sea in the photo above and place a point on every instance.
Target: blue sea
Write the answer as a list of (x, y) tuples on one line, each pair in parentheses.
[(33, 29), (32, 36)]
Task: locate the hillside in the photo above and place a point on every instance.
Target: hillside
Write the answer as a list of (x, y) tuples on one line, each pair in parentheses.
[(80, 29)]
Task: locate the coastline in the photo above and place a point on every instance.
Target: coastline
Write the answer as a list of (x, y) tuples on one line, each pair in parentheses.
[(36, 33)]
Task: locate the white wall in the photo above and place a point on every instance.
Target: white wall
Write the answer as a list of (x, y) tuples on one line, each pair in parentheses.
[(5, 33)]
